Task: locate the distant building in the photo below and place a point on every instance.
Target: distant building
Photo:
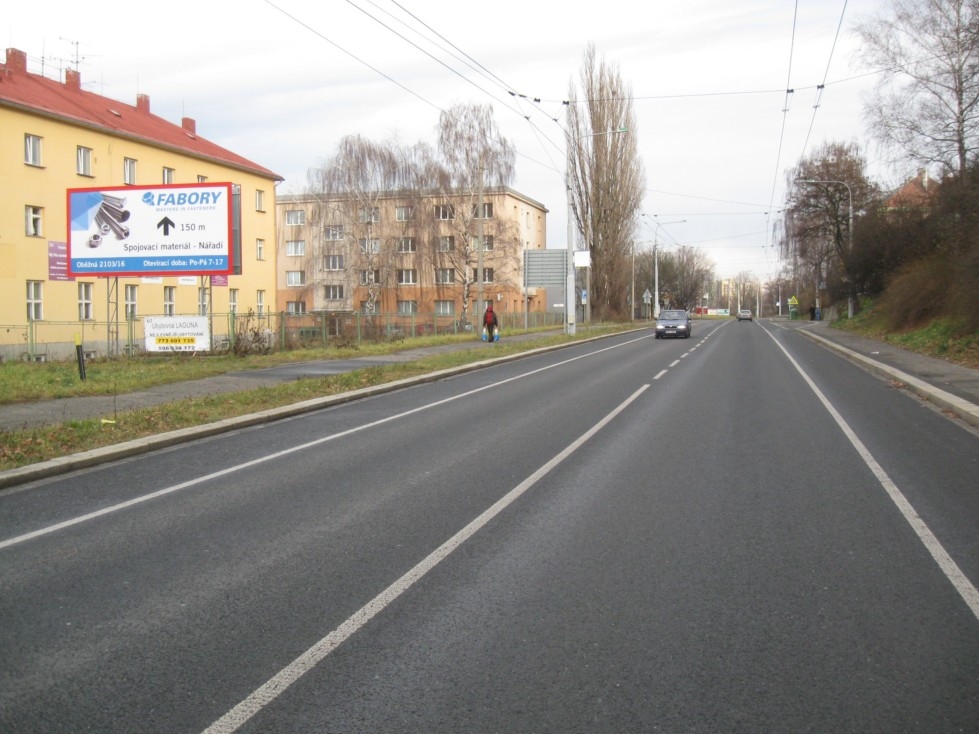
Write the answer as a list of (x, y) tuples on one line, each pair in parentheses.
[(56, 136), (406, 256), (917, 194)]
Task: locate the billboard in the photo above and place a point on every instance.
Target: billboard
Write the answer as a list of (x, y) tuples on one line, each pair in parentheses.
[(174, 229)]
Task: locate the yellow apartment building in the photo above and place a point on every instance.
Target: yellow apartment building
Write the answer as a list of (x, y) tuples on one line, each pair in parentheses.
[(403, 260), (55, 137)]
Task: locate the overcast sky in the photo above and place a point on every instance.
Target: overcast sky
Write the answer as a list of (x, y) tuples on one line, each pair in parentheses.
[(282, 82)]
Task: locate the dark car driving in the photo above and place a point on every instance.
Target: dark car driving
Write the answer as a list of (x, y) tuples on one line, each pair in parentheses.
[(673, 323)]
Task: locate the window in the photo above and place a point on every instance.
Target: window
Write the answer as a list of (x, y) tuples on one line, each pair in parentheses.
[(487, 275), (131, 291), (84, 301), (445, 212), (404, 213), (32, 150), (83, 161), (202, 302), (445, 308), (295, 308), (33, 221), (447, 243), (295, 248), (369, 214), (333, 262), (259, 200), (169, 300), (35, 312), (201, 179), (295, 278), (260, 303), (407, 277), (233, 300), (407, 244), (259, 249), (333, 232), (488, 243), (406, 308), (370, 246), (487, 211), (333, 292), (168, 175), (444, 276), (295, 217), (129, 171), (369, 277)]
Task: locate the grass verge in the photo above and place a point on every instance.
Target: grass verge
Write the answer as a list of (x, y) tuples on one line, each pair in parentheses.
[(940, 338), (33, 445)]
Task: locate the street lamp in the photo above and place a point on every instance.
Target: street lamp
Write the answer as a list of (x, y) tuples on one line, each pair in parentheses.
[(655, 263), (569, 305), (849, 193)]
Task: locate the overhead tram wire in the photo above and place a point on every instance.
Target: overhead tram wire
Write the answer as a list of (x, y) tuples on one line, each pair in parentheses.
[(352, 55), (785, 110), (380, 73), (822, 87), (474, 65)]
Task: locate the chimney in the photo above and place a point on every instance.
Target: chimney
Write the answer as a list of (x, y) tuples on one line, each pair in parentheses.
[(189, 124), (16, 60), (73, 80), (143, 103)]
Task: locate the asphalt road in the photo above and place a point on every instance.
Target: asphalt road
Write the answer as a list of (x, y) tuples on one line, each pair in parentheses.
[(738, 532)]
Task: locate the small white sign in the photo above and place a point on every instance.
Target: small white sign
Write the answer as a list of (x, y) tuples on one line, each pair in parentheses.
[(177, 333)]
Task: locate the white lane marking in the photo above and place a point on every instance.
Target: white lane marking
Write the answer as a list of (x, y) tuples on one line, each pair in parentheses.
[(661, 373), (674, 363), (949, 567), (267, 692), (279, 454)]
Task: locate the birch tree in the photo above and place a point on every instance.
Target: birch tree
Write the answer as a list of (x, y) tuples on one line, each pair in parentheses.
[(926, 104), (473, 159)]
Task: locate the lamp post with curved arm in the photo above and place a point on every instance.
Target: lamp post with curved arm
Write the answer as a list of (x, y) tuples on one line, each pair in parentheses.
[(849, 193)]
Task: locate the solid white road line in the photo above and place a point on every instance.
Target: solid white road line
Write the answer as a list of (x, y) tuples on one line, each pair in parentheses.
[(949, 567), (266, 693), (279, 454)]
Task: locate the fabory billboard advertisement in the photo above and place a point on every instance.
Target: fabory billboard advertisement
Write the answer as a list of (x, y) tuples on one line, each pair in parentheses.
[(178, 229)]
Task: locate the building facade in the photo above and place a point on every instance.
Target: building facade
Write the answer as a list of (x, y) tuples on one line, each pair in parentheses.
[(403, 257), (55, 136)]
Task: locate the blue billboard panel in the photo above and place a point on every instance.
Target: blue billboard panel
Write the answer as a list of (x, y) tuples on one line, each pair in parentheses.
[(178, 229)]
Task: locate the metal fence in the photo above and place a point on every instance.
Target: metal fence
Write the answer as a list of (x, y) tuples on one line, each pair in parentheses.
[(42, 341)]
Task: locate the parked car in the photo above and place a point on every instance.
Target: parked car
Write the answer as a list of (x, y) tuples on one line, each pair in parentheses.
[(744, 314), (673, 323)]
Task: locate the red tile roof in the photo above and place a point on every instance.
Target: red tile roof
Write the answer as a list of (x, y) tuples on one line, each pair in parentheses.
[(918, 193), (70, 103)]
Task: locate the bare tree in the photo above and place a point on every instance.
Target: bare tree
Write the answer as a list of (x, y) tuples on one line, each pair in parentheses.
[(926, 105), (349, 189), (606, 178), (824, 191), (684, 277), (472, 159)]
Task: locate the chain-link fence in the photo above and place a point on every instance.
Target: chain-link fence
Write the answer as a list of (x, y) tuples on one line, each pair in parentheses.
[(245, 333)]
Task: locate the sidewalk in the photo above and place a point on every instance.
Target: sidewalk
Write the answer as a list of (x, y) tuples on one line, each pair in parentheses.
[(951, 387)]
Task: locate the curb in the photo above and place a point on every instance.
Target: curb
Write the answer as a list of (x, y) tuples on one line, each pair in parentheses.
[(86, 459), (963, 409)]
